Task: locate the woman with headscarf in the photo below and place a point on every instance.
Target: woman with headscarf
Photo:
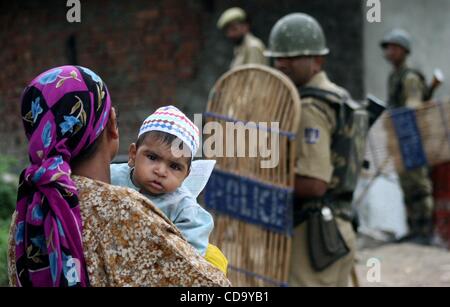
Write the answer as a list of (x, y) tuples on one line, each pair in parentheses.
[(71, 227)]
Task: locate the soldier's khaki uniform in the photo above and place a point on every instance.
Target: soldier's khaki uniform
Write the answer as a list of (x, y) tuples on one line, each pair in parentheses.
[(249, 52), (412, 87), (316, 160), (416, 184)]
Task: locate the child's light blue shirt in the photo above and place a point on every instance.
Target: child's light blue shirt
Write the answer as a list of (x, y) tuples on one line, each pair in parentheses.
[(194, 222)]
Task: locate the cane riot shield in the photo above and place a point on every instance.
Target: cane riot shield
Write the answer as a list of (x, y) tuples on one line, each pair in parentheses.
[(403, 139), (419, 137), (250, 127)]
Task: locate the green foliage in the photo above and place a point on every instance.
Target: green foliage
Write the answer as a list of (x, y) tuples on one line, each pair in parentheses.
[(4, 228), (8, 195)]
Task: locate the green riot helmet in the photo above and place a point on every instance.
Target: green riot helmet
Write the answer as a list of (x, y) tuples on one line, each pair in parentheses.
[(295, 35), (398, 37)]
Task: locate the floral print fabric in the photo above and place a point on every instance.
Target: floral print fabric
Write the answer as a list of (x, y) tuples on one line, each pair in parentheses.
[(129, 242)]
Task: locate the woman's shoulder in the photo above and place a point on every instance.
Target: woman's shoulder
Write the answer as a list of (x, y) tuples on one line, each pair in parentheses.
[(138, 243)]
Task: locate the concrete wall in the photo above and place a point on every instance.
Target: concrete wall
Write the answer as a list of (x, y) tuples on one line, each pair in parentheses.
[(429, 25)]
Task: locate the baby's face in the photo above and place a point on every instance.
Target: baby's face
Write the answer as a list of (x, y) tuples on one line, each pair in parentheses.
[(157, 169)]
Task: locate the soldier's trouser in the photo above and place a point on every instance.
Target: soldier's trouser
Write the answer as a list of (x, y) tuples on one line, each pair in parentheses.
[(302, 274), (417, 189)]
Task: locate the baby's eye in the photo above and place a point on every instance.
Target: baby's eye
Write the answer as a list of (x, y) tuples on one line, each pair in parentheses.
[(152, 157), (175, 166)]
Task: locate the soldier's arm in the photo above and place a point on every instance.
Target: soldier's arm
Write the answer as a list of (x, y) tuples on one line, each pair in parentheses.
[(414, 91), (314, 167)]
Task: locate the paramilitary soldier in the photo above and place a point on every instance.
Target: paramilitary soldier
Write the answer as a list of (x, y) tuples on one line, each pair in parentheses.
[(407, 88), (330, 152), (248, 48)]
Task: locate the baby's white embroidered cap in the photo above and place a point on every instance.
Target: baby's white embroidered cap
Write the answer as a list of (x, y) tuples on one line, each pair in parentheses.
[(171, 120)]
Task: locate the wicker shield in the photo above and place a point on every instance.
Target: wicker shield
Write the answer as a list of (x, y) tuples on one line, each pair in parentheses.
[(406, 138), (257, 110)]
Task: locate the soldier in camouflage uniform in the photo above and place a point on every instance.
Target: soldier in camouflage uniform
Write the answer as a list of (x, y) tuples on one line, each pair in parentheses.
[(407, 88), (328, 160)]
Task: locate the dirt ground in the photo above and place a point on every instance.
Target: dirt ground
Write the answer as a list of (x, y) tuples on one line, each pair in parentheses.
[(403, 265)]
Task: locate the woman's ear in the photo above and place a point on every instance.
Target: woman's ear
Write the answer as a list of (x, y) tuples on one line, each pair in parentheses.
[(132, 155), (111, 135), (112, 127)]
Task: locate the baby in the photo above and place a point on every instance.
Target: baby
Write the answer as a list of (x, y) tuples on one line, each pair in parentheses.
[(159, 162)]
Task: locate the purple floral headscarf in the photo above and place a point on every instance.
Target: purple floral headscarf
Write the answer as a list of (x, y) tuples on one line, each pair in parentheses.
[(64, 110)]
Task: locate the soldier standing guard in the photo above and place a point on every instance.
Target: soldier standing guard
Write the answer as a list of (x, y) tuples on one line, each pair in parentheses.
[(248, 48), (407, 88), (323, 247)]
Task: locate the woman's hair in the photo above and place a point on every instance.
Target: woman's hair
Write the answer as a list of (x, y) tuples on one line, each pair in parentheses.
[(88, 152)]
